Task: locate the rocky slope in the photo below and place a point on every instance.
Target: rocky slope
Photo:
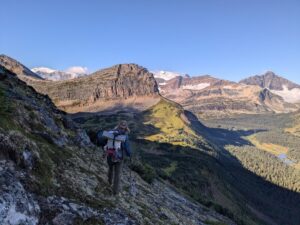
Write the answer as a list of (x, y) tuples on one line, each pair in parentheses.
[(207, 96), (288, 90), (17, 67), (47, 175), (126, 86)]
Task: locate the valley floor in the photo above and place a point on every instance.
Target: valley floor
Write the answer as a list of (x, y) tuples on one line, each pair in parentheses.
[(264, 138)]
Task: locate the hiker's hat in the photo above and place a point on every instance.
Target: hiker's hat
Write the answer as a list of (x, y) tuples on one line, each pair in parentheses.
[(123, 125)]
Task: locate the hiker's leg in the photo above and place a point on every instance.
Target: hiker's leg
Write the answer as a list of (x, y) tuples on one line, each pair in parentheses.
[(117, 177), (110, 171)]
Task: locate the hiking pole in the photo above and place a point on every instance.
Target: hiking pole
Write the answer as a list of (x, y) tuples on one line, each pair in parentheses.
[(130, 171), (92, 158), (132, 189)]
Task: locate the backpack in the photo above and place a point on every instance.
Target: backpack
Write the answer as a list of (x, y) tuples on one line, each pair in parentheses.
[(100, 139), (113, 147)]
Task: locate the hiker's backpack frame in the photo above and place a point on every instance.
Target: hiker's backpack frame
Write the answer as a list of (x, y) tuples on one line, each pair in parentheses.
[(113, 148)]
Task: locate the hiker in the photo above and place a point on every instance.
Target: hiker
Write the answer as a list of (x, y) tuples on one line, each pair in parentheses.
[(115, 149)]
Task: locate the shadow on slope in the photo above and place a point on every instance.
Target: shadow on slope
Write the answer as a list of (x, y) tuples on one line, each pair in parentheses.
[(222, 137), (211, 177), (277, 202)]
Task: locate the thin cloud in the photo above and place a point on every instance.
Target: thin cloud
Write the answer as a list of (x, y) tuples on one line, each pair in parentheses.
[(77, 70)]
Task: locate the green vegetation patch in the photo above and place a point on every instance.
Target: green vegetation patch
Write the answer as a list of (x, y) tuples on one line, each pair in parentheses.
[(169, 170)]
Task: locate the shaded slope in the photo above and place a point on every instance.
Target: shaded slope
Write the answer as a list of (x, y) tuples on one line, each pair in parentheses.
[(168, 145), (15, 66)]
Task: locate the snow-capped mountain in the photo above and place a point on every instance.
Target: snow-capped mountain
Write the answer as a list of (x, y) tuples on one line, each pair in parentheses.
[(288, 90), (209, 96), (55, 75)]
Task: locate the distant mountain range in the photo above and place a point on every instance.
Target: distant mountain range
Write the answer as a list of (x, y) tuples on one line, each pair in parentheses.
[(288, 90), (130, 84), (55, 75), (210, 96)]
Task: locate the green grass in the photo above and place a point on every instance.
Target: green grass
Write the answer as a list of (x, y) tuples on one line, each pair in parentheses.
[(268, 147), (166, 117), (295, 127), (169, 170)]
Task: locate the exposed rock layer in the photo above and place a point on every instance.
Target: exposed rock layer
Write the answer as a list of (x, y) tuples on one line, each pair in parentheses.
[(104, 89), (210, 97)]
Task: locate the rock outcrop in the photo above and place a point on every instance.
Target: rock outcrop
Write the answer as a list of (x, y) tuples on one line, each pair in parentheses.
[(16, 67), (124, 86)]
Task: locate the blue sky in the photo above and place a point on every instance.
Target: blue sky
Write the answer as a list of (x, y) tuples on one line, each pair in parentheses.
[(230, 39)]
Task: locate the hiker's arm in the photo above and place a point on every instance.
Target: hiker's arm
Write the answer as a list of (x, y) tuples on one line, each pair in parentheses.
[(101, 140)]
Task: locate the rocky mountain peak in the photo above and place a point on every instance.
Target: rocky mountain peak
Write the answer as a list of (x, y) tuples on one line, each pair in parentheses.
[(270, 74), (271, 81)]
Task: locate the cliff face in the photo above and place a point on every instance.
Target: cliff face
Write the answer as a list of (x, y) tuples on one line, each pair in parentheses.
[(117, 82), (120, 86)]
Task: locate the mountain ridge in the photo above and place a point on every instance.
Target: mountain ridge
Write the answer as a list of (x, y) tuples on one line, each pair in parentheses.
[(122, 85), (208, 96), (269, 80), (17, 67)]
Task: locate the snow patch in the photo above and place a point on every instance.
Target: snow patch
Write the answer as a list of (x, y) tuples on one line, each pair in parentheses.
[(291, 96), (77, 70), (196, 87), (55, 75), (43, 70), (228, 87), (166, 75)]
